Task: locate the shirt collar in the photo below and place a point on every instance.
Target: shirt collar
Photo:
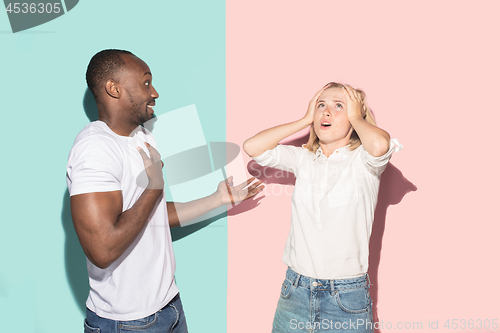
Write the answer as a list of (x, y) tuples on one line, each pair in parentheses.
[(319, 153)]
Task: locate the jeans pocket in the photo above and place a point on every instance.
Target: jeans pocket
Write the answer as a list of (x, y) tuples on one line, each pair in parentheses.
[(286, 289), (139, 324), (89, 329), (355, 300)]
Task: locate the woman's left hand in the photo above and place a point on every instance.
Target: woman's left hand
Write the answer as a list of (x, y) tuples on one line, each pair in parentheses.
[(355, 105)]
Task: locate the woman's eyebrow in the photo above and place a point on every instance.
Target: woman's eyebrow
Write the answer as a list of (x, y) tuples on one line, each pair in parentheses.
[(335, 100)]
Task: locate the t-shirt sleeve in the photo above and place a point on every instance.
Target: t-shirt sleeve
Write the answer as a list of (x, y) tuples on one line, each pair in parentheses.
[(377, 165), (94, 166), (281, 157)]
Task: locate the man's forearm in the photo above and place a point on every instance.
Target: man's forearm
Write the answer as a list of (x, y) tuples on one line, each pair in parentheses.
[(183, 212)]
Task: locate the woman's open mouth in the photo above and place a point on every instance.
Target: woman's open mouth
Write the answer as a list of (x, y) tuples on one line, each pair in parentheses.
[(325, 124)]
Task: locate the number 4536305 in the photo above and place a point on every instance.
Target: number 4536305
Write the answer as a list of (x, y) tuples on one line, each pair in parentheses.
[(471, 324), (33, 8)]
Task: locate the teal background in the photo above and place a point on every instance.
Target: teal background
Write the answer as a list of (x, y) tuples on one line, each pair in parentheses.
[(43, 281)]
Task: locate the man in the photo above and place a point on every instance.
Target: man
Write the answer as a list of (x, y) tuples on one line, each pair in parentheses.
[(122, 222)]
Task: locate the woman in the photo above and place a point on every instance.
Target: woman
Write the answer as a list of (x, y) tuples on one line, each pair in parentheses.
[(337, 179)]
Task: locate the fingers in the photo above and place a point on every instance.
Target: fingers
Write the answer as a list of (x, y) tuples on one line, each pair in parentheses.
[(152, 166), (153, 153), (348, 91), (251, 187), (316, 96), (352, 93), (318, 93), (245, 190), (254, 189), (245, 183), (255, 185), (229, 181), (229, 184), (144, 156), (254, 192), (231, 197)]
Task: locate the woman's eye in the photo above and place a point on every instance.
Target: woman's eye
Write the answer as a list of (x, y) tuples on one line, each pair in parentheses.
[(320, 105), (338, 105)]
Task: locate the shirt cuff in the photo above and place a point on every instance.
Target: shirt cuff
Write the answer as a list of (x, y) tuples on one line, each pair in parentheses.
[(265, 159)]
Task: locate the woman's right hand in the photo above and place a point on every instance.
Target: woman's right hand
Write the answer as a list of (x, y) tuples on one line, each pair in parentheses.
[(271, 137), (309, 117)]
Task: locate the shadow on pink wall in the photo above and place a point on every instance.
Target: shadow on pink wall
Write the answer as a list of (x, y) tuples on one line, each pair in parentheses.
[(393, 187)]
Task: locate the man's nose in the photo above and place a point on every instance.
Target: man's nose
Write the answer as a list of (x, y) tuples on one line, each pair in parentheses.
[(154, 93)]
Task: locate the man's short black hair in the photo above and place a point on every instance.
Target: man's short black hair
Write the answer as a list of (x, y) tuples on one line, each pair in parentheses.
[(104, 65)]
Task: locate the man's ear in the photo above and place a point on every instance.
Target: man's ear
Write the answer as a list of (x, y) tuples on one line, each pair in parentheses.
[(112, 89)]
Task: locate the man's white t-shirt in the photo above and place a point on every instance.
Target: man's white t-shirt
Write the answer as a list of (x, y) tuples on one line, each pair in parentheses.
[(333, 207), (141, 280)]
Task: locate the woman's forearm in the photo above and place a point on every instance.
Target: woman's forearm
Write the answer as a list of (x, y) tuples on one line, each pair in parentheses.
[(375, 140), (269, 138)]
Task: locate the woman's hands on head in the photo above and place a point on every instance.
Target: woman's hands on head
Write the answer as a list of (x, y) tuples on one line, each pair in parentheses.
[(375, 140), (309, 116), (356, 107)]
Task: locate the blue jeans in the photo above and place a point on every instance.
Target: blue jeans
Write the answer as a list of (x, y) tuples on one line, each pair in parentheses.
[(314, 305), (170, 319)]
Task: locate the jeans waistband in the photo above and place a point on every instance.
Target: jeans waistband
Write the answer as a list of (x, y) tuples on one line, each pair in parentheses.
[(322, 284), (176, 297)]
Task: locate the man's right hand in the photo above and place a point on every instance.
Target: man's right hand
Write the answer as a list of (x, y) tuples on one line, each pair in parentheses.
[(153, 165), (104, 230)]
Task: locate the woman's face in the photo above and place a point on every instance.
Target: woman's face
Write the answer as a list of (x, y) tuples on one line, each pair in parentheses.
[(330, 117)]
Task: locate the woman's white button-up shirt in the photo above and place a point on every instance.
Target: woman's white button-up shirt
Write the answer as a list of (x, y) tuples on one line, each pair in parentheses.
[(333, 207)]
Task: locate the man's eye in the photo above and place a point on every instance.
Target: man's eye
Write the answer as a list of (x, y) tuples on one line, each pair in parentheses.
[(147, 83)]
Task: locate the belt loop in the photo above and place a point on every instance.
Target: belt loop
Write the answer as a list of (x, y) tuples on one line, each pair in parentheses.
[(368, 280), (296, 283), (332, 285)]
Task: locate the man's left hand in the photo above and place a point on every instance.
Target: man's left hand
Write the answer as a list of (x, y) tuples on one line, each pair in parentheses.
[(230, 194)]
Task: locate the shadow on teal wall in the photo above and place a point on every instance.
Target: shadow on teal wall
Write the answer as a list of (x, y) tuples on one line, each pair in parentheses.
[(89, 106), (74, 258)]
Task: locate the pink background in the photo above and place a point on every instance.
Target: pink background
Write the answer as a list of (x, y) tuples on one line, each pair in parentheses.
[(431, 72)]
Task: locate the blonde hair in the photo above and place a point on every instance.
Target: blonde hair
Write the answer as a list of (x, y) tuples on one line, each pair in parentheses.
[(313, 143)]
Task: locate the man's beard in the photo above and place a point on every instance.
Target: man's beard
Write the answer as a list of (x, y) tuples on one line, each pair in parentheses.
[(142, 116), (141, 112)]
